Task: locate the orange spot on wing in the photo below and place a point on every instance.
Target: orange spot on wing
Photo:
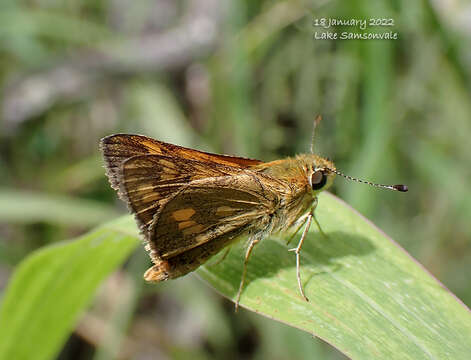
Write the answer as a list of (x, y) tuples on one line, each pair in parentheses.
[(183, 214), (185, 224), (197, 228)]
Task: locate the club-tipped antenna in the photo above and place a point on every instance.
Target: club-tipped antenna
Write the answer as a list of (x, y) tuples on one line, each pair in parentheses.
[(400, 187), (317, 120)]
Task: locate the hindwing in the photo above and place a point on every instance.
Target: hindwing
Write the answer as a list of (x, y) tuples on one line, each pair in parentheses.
[(210, 208)]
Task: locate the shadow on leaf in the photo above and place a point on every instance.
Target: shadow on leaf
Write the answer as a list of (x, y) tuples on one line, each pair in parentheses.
[(319, 255)]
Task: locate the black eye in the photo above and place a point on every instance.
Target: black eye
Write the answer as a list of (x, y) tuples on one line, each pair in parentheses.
[(318, 180)]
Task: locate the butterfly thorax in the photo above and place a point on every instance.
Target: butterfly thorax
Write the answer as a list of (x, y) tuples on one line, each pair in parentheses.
[(291, 178)]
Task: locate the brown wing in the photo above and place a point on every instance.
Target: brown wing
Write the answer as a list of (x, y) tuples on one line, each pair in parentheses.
[(208, 209), (146, 182), (119, 147)]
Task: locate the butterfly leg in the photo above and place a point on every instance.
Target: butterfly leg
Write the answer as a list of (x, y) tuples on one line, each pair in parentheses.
[(314, 205), (319, 226), (252, 243), (297, 251), (301, 224), (303, 220)]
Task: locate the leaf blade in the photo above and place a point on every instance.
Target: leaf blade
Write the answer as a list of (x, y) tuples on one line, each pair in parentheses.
[(23, 207), (368, 298), (52, 286)]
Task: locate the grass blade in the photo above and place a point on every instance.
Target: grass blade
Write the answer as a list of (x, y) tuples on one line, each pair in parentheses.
[(368, 297), (51, 288)]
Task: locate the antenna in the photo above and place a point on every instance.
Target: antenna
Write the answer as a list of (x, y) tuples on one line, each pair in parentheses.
[(317, 120), (402, 188)]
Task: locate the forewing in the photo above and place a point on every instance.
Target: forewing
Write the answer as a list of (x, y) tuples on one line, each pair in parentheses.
[(210, 209), (119, 147), (146, 182)]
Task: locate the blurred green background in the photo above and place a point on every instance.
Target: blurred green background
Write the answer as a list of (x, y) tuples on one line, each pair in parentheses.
[(236, 77)]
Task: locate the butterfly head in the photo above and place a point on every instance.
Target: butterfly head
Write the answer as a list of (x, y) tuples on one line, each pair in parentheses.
[(319, 172)]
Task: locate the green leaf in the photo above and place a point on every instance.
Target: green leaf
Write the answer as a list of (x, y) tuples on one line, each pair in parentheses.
[(52, 24), (27, 207), (368, 297), (52, 286)]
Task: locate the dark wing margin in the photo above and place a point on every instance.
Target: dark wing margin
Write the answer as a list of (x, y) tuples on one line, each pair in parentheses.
[(119, 147)]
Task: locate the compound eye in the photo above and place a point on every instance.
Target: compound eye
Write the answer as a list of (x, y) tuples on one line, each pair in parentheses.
[(318, 180)]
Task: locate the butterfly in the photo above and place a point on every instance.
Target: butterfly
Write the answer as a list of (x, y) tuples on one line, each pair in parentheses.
[(190, 205)]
